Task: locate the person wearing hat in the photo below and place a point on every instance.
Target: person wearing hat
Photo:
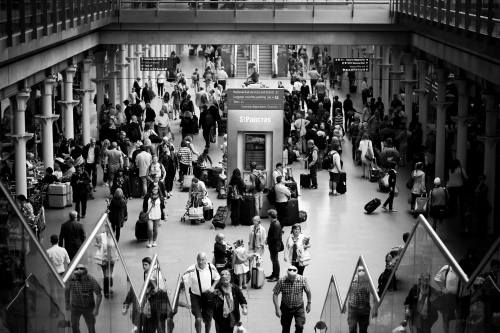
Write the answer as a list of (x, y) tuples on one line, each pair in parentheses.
[(291, 288), (80, 300), (392, 191), (438, 202)]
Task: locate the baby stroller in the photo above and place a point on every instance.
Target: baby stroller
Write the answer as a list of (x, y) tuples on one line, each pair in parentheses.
[(194, 209)]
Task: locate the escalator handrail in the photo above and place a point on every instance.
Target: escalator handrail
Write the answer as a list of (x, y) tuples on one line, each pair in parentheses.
[(486, 259), (175, 299), (144, 288)]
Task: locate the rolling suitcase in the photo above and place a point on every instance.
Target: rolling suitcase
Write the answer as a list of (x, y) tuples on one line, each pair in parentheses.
[(141, 231), (135, 186), (305, 181), (342, 184), (219, 220), (257, 280), (292, 213), (247, 210), (372, 205), (292, 186)]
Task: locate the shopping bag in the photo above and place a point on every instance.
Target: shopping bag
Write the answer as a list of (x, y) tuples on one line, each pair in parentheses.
[(420, 205), (195, 213)]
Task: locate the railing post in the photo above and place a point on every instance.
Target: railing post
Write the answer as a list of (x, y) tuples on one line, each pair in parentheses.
[(195, 7), (314, 8), (447, 12), (34, 33), (22, 21), (458, 5), (467, 15), (490, 24), (9, 23), (352, 8), (439, 11), (45, 19), (424, 10), (479, 5), (274, 8)]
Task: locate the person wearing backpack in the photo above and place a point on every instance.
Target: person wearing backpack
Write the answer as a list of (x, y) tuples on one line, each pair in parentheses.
[(438, 202), (334, 166), (235, 188), (257, 186)]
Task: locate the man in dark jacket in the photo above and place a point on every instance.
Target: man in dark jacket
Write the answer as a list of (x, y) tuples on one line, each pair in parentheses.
[(150, 115), (72, 235), (134, 130), (208, 119), (275, 243), (137, 89), (80, 182), (91, 154), (147, 94)]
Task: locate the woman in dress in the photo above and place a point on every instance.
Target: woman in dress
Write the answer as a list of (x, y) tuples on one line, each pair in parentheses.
[(106, 256), (367, 154), (152, 206), (296, 249)]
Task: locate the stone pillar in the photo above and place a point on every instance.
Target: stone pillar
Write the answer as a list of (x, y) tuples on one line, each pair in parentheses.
[(68, 103), (441, 107), (100, 82), (19, 136), (123, 74), (461, 121), (138, 54), (163, 50), (385, 67), (491, 140), (86, 100), (408, 82), (47, 119), (152, 74), (145, 74), (395, 74), (422, 97), (131, 67), (112, 77), (376, 60)]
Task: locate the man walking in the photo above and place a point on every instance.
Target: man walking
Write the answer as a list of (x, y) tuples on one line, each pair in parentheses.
[(200, 279), (80, 300), (72, 235), (358, 314), (143, 161), (312, 160), (291, 287), (91, 155), (59, 257), (257, 186), (80, 182), (275, 244)]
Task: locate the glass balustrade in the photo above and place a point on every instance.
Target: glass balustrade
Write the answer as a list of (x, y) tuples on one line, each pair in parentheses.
[(99, 263)]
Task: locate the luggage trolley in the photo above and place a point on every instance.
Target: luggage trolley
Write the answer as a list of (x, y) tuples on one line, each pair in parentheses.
[(194, 209)]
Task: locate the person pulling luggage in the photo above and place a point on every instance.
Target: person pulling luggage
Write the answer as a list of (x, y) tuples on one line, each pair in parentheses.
[(392, 191)]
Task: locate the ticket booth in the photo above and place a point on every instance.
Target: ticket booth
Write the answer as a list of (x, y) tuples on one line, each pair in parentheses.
[(255, 130)]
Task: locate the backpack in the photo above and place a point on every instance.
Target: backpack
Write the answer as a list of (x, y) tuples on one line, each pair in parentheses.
[(271, 196), (260, 180), (328, 162), (233, 193)]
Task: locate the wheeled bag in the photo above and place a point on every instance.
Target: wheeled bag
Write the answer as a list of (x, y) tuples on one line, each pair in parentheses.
[(247, 209), (135, 186), (372, 205), (141, 227), (257, 280), (219, 220), (292, 186), (421, 205), (342, 183), (305, 180), (292, 213)]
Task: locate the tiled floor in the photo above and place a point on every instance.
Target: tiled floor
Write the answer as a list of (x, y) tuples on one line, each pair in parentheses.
[(338, 227)]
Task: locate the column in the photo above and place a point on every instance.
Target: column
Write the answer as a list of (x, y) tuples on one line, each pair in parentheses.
[(138, 54), (131, 67), (163, 50), (113, 87), (376, 60), (47, 119), (68, 103), (123, 74), (396, 73), (100, 82), (441, 107), (461, 120), (408, 82), (145, 74), (385, 67), (491, 139), (422, 97), (86, 100), (20, 137), (152, 74)]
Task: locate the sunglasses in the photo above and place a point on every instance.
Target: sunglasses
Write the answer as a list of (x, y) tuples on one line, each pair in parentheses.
[(292, 269), (79, 269)]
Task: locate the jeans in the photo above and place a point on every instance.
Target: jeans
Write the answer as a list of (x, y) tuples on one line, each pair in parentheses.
[(282, 211), (83, 204), (275, 262), (88, 316), (357, 318), (389, 200), (183, 170), (144, 182), (160, 89), (258, 202), (116, 229), (92, 171), (153, 230), (169, 183), (314, 175), (287, 314)]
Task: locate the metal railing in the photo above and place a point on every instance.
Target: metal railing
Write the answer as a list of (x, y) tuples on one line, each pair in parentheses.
[(467, 15)]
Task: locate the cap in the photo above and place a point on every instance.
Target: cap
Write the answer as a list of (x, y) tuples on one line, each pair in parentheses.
[(437, 181)]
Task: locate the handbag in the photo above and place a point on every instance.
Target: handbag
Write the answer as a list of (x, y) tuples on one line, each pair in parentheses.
[(212, 134), (421, 205), (409, 183), (188, 179), (369, 155), (396, 192)]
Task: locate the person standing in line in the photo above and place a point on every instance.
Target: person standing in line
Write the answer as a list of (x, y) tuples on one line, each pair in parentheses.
[(275, 244), (201, 279), (418, 183), (162, 123), (80, 300), (291, 288), (312, 160), (222, 77), (367, 154), (185, 157), (300, 126), (80, 182), (169, 160), (296, 249), (72, 235), (257, 186), (91, 154), (152, 206), (392, 191), (60, 258), (160, 82), (438, 201), (236, 188), (358, 313), (142, 162), (278, 171), (257, 237), (227, 310), (137, 89), (195, 80), (334, 169), (118, 213), (283, 194), (114, 161)]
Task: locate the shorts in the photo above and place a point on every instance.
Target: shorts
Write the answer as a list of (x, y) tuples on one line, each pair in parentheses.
[(200, 310), (334, 177)]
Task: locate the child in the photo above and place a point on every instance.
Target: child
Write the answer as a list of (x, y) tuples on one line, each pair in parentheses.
[(240, 263)]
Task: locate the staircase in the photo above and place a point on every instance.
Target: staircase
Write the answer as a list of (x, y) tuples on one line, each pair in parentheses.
[(265, 61), (241, 62)]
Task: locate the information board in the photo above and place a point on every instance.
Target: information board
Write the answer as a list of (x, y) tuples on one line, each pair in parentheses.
[(155, 63), (351, 64), (255, 99)]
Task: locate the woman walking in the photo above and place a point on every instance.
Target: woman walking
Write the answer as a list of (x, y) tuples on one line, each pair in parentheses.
[(152, 206), (106, 256), (418, 187), (118, 213), (227, 309), (296, 249), (367, 154)]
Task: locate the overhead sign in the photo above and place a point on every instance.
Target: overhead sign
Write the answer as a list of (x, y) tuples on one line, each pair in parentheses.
[(155, 63), (255, 99), (352, 64)]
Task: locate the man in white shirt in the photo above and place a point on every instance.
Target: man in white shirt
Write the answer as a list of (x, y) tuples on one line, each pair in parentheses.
[(296, 86), (448, 282), (278, 171), (200, 279), (283, 194), (143, 161), (163, 123), (160, 82), (60, 258), (222, 78)]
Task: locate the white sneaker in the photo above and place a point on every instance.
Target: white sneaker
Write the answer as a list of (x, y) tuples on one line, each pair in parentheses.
[(148, 245), (154, 244)]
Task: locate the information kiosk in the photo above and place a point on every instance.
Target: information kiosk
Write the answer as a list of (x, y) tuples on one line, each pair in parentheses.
[(254, 130)]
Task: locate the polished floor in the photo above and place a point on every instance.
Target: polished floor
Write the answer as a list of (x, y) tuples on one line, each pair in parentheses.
[(339, 229)]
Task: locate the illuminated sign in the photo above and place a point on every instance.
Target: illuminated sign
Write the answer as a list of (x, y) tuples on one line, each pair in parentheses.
[(351, 64), (249, 119), (255, 99)]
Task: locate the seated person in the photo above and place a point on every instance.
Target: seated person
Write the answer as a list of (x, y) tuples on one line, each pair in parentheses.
[(49, 177)]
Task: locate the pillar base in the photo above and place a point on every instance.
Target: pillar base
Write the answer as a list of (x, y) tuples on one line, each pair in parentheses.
[(69, 103), (20, 137), (83, 91), (45, 119)]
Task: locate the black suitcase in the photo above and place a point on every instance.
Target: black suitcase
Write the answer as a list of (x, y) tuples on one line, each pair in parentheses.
[(305, 180), (141, 231), (342, 184), (292, 186), (353, 89), (219, 220), (292, 213), (247, 210), (135, 186), (372, 205), (208, 214)]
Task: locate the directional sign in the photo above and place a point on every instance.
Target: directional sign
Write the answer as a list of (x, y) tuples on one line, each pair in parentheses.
[(352, 64), (255, 99), (155, 63)]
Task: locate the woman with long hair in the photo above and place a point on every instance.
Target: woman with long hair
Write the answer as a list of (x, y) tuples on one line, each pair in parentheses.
[(118, 213), (235, 190), (367, 154), (152, 206), (105, 146)]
